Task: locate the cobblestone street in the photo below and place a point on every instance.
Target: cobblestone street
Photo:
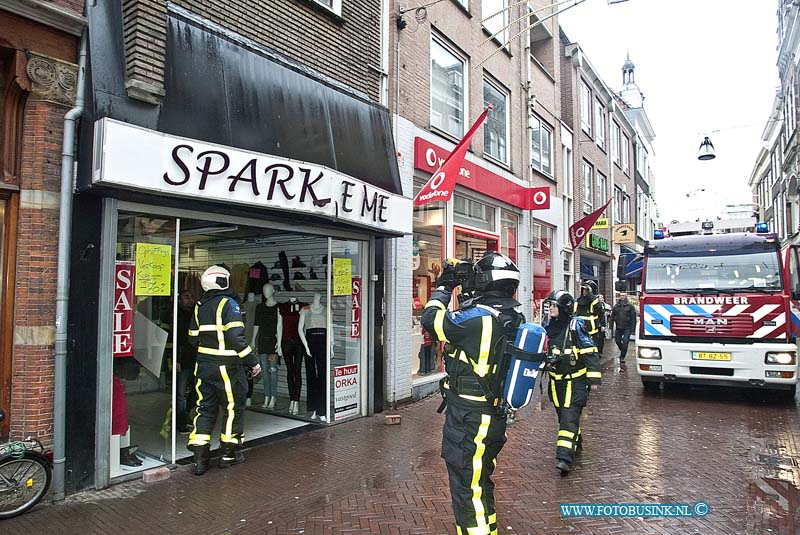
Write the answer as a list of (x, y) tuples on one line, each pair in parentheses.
[(737, 451)]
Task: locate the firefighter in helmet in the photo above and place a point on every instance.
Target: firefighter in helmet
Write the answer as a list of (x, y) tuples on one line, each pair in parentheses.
[(217, 330), (589, 308), (475, 361), (574, 370)]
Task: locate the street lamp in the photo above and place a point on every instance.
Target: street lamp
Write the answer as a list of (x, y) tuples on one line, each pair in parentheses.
[(706, 151)]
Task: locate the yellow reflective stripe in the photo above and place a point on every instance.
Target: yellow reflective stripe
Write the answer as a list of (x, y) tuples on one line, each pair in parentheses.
[(477, 469), (568, 395), (231, 325), (244, 352), (568, 434), (218, 352), (554, 392), (564, 444), (493, 516), (438, 325), (463, 357), (594, 375), (585, 350), (482, 368), (573, 375), (194, 333), (196, 439), (482, 529), (226, 436), (220, 334), (434, 303), (472, 398), (458, 530)]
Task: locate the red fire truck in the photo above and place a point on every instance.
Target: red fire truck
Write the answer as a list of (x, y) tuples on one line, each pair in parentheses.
[(719, 307)]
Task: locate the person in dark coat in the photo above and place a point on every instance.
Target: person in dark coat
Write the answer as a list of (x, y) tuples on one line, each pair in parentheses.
[(623, 318)]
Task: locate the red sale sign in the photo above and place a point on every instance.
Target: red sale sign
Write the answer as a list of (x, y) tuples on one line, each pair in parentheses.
[(355, 314), (122, 340)]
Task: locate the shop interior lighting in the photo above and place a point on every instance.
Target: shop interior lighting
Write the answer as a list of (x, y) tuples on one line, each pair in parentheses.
[(199, 231)]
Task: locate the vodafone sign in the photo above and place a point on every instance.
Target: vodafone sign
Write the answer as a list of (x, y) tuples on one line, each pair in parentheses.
[(428, 157)]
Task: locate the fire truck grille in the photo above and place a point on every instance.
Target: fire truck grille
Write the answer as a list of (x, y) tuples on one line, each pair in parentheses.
[(725, 326)]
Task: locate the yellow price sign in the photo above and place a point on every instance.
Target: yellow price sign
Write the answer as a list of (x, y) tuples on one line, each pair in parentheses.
[(342, 276), (153, 269)]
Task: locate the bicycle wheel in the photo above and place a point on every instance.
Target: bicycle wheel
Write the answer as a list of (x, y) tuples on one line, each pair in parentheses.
[(23, 483)]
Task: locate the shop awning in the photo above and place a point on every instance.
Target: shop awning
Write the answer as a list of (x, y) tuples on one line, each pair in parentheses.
[(632, 262)]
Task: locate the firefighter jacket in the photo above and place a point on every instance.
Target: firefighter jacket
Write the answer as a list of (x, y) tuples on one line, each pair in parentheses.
[(475, 350), (589, 309), (574, 352), (217, 330)]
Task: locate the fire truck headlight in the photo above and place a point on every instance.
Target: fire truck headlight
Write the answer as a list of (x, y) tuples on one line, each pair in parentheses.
[(649, 353), (784, 357)]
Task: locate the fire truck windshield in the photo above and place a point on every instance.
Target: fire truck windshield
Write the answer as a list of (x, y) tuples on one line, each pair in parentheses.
[(730, 271)]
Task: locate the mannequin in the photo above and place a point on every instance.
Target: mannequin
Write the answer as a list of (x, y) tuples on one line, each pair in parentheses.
[(249, 309), (267, 339), (292, 349), (312, 329)]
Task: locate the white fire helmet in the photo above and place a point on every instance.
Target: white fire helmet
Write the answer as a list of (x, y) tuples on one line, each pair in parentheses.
[(215, 278)]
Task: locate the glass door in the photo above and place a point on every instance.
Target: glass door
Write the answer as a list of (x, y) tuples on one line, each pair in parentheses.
[(348, 336)]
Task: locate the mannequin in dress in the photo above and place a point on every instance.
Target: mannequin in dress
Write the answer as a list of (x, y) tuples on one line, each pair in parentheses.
[(249, 310), (267, 332), (313, 332), (292, 349)]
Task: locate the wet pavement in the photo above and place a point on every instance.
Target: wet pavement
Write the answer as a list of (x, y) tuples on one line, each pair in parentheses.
[(739, 451)]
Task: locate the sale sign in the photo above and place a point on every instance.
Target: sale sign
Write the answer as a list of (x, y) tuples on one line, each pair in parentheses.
[(122, 340), (355, 312)]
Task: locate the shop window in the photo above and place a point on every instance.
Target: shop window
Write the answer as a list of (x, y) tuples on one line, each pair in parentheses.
[(495, 130), (542, 267), (508, 234), (541, 146), (473, 213), (447, 89)]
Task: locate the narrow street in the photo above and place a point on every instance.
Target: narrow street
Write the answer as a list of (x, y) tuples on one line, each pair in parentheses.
[(737, 451)]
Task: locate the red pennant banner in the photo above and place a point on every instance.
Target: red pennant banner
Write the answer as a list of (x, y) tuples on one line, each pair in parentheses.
[(443, 181), (579, 229)]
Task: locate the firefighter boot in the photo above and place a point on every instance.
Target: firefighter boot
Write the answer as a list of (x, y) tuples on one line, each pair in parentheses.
[(202, 456), (230, 455), (563, 467)]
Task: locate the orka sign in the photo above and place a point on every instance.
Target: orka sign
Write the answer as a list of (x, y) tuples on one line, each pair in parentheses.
[(593, 241)]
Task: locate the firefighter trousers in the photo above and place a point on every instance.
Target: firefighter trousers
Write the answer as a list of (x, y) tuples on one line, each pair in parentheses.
[(219, 385), (569, 397), (471, 442)]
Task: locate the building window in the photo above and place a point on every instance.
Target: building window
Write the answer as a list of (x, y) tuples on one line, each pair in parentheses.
[(626, 209), (509, 225), (473, 213), (617, 205), (495, 19), (600, 124), (641, 160), (624, 153), (495, 131), (447, 89), (332, 5), (586, 108), (566, 169), (615, 141), (588, 206), (602, 191), (541, 146)]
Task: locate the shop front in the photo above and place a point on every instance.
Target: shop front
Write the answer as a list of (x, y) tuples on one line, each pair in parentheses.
[(297, 225), (595, 262)]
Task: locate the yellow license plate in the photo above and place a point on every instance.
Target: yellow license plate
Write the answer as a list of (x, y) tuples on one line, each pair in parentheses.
[(700, 355)]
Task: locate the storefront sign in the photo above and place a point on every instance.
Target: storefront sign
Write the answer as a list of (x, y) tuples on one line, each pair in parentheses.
[(346, 391), (153, 269), (355, 314), (137, 158), (624, 233), (428, 157), (601, 223), (122, 345), (593, 241), (342, 276)]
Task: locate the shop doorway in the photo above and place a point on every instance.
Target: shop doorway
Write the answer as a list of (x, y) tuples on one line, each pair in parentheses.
[(470, 243), (313, 376)]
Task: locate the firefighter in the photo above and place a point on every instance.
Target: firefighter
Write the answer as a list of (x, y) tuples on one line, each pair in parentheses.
[(589, 308), (475, 361), (574, 370), (217, 330)]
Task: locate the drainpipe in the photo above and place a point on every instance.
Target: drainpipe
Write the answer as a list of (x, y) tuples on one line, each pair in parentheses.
[(62, 291)]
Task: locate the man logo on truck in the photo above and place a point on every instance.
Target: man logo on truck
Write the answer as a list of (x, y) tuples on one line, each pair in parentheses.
[(710, 321)]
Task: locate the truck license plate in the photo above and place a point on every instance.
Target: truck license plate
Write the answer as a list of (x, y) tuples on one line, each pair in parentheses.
[(701, 355)]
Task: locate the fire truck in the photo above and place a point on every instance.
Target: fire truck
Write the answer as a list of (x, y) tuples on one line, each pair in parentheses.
[(720, 305)]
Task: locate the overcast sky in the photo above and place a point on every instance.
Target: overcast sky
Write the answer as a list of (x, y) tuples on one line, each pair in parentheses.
[(703, 65)]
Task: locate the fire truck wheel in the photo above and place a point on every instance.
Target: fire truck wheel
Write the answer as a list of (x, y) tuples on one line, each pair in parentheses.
[(650, 385)]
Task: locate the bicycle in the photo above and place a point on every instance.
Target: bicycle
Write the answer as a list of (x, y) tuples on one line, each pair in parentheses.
[(25, 475)]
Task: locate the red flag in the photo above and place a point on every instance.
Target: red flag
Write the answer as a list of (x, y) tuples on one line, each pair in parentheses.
[(443, 181), (579, 229)]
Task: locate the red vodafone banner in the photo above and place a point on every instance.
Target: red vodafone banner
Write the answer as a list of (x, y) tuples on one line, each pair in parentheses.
[(443, 181), (122, 337), (428, 157), (579, 229)]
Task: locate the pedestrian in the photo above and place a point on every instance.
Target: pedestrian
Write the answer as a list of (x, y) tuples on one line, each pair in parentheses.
[(475, 360), (217, 330), (588, 308), (574, 372), (623, 318), (606, 329)]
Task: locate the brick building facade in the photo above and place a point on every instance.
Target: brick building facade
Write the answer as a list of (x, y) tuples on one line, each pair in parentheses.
[(38, 56)]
